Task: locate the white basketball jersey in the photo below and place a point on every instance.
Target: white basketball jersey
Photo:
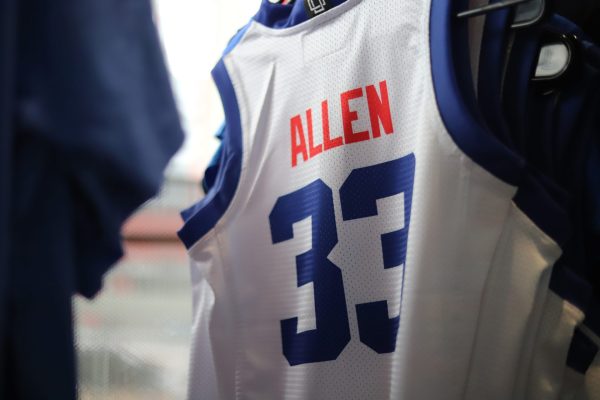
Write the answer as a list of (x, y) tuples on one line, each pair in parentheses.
[(363, 226)]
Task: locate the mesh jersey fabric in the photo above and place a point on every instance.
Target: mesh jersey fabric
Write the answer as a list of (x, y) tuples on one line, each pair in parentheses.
[(282, 234)]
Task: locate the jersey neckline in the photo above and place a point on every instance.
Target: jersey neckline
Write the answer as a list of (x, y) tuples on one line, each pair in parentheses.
[(278, 20)]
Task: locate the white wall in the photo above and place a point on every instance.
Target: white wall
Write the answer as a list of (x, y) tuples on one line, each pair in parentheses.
[(194, 34)]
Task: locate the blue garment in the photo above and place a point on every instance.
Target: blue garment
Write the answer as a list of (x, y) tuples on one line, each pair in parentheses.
[(95, 125), (7, 44)]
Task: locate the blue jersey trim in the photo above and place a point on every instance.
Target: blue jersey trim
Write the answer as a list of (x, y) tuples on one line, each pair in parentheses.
[(518, 73), (491, 66), (455, 99), (581, 352), (204, 215), (279, 16), (212, 170), (468, 132)]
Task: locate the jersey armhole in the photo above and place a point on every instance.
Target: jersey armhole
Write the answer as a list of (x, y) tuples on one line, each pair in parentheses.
[(456, 102), (204, 215)]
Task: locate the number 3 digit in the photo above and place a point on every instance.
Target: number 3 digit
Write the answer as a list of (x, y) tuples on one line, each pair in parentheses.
[(333, 332), (358, 197)]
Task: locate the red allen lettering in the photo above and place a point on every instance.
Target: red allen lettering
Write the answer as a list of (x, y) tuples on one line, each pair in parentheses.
[(304, 143)]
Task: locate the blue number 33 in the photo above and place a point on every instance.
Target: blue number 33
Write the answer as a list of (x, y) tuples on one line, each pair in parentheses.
[(358, 198)]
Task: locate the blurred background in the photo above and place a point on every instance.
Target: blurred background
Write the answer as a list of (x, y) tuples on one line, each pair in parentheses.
[(133, 340)]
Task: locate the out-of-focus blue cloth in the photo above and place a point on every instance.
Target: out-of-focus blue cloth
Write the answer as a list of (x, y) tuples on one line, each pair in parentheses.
[(7, 64), (94, 127)]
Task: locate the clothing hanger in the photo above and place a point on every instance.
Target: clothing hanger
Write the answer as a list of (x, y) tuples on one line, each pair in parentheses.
[(558, 52), (474, 12), (527, 12)]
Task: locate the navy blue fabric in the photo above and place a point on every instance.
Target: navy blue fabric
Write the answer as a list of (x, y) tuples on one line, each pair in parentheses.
[(591, 192), (571, 151), (203, 216), (576, 128), (95, 125), (581, 352), (592, 53), (571, 286), (491, 72), (592, 206), (592, 198), (115, 125), (41, 358), (592, 317), (210, 173), (8, 14)]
